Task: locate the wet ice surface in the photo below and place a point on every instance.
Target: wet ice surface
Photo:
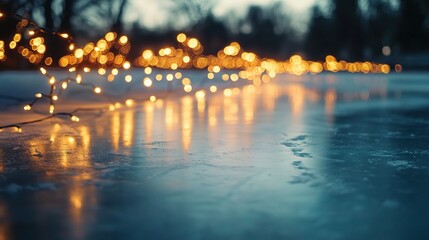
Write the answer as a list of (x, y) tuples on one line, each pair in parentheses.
[(313, 157)]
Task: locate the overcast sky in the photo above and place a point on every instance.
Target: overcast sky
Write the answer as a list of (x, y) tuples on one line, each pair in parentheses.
[(154, 13)]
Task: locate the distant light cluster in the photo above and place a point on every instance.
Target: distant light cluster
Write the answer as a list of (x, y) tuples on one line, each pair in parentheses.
[(108, 56)]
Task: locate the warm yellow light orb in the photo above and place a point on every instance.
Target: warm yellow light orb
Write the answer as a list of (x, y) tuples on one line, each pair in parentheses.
[(187, 88), (147, 82), (97, 90), (186, 59), (128, 78), (186, 81), (147, 54), (127, 65), (148, 70), (193, 43), (213, 89), (181, 37), (123, 40), (129, 102)]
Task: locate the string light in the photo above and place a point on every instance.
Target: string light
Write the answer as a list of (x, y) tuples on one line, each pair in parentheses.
[(110, 52), (74, 118), (52, 80), (97, 90), (147, 82)]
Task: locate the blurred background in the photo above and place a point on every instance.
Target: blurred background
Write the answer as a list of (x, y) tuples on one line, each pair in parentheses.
[(389, 31)]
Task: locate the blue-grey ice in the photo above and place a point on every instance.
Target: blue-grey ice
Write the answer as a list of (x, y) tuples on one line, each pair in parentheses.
[(330, 156)]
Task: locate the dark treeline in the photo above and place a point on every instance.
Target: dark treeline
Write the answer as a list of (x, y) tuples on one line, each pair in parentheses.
[(349, 29), (354, 29)]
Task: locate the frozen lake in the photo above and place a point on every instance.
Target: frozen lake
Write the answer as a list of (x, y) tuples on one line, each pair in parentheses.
[(331, 156)]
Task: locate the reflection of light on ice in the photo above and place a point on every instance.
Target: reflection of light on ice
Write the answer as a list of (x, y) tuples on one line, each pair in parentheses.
[(201, 103), (330, 98), (248, 103), (213, 110), (128, 128), (230, 110), (177, 118), (149, 115), (76, 201), (115, 129), (187, 108), (170, 121), (296, 97), (1, 162), (79, 200)]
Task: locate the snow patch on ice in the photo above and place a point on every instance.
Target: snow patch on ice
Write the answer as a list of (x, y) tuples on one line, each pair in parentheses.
[(401, 164), (297, 146)]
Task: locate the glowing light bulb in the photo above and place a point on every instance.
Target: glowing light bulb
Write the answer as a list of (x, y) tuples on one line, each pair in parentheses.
[(127, 65), (27, 107), (128, 78), (129, 102), (186, 81), (64, 85), (78, 79), (147, 82), (51, 108), (74, 118), (167, 51), (123, 40), (97, 90), (213, 89), (186, 59), (170, 77), (187, 88), (64, 35), (38, 95), (55, 97), (43, 71), (210, 75), (181, 37), (101, 71), (52, 80), (216, 69), (148, 70), (147, 54), (178, 75), (152, 98), (193, 43)]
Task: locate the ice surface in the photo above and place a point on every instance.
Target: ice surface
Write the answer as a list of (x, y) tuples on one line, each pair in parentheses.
[(312, 157)]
